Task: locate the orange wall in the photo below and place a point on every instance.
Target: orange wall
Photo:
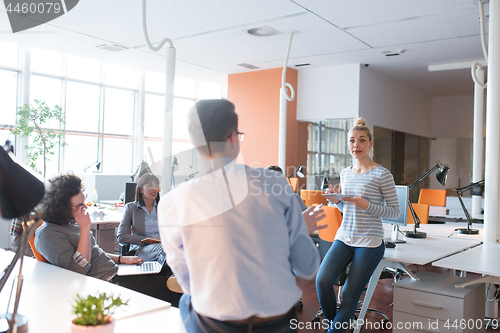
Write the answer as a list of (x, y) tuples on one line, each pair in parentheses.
[(256, 96)]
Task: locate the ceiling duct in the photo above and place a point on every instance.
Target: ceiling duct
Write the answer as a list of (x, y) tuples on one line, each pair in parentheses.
[(248, 66), (112, 47)]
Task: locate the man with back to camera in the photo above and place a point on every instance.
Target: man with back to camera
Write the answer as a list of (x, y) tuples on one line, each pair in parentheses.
[(234, 241)]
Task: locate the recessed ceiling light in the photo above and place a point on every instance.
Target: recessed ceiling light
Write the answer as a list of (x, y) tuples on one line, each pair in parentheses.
[(386, 52), (300, 65), (265, 31)]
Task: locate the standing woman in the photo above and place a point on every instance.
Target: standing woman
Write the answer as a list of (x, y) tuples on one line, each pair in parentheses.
[(139, 225), (359, 240)]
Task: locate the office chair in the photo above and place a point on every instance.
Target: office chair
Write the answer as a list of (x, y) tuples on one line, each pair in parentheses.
[(326, 237), (432, 197), (311, 197), (31, 242), (422, 211)]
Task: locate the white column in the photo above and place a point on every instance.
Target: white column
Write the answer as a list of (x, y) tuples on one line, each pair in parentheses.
[(140, 121), (478, 154), (282, 133), (492, 163), (25, 99), (168, 121)]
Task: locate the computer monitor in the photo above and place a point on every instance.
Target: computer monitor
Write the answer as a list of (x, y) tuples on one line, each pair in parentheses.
[(403, 195), (129, 192)]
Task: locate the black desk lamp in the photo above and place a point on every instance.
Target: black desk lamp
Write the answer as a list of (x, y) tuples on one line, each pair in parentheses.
[(441, 176), (459, 191), (20, 192), (299, 172)]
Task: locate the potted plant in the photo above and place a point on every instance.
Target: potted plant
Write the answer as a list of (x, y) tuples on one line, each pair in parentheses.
[(95, 313), (36, 120)]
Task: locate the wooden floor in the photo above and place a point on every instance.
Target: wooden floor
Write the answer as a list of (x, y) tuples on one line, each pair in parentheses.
[(381, 300)]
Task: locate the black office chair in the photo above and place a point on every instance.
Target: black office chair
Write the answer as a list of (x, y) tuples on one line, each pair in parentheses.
[(323, 247)]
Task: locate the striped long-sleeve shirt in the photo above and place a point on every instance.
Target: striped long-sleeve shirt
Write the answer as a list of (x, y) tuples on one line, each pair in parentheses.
[(363, 228)]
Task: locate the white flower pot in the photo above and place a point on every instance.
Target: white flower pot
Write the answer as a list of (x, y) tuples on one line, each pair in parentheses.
[(106, 328)]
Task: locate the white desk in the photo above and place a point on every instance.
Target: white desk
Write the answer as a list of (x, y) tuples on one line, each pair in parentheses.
[(484, 260), (418, 251), (48, 292), (104, 229), (455, 214), (441, 230)]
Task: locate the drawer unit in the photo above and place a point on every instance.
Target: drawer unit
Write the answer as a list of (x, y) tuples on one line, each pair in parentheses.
[(436, 305)]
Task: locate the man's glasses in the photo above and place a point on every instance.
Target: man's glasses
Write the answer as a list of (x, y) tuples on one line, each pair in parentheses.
[(242, 136)]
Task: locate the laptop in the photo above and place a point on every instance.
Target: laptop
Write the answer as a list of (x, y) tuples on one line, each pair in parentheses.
[(148, 267)]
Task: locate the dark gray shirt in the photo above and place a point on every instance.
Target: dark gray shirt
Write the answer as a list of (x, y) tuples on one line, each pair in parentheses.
[(58, 244)]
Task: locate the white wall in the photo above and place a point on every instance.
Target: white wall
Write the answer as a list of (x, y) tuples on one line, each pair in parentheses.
[(390, 104), (327, 93), (444, 150), (452, 117)]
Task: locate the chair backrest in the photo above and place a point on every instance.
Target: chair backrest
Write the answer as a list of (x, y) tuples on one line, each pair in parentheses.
[(422, 211), (432, 197), (333, 218), (293, 183), (312, 197), (31, 242)]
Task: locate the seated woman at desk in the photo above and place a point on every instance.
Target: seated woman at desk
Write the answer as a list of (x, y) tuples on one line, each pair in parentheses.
[(65, 240), (139, 225), (359, 240)]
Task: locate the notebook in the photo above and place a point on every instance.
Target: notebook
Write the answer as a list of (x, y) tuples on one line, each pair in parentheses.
[(148, 267)]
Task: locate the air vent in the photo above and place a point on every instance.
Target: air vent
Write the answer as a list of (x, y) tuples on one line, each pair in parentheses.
[(265, 31), (301, 65), (248, 66), (112, 47)]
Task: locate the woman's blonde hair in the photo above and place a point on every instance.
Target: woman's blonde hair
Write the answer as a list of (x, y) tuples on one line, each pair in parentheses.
[(360, 125)]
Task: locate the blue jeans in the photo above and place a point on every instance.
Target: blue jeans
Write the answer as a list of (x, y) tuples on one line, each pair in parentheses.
[(195, 323), (363, 262)]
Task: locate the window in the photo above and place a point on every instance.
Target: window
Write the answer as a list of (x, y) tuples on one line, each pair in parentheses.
[(327, 146), (9, 57), (83, 69), (46, 62), (153, 115), (119, 112), (121, 76), (81, 152), (117, 155), (100, 109), (8, 97), (208, 90), (82, 107)]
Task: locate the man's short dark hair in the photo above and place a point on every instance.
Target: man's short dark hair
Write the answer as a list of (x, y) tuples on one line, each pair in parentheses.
[(212, 121), (56, 204), (275, 168)]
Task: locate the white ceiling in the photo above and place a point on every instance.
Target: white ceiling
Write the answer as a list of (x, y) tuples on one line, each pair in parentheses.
[(211, 40)]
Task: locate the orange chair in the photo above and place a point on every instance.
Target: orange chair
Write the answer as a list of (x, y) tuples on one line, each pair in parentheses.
[(293, 183), (432, 197), (31, 242), (311, 197), (422, 211), (333, 218)]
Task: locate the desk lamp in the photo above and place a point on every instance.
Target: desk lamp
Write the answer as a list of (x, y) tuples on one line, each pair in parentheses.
[(459, 191), (175, 167), (20, 192), (441, 176), (97, 166), (299, 172), (142, 169)]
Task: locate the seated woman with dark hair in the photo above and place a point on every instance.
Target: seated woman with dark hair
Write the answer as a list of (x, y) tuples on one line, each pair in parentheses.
[(65, 240), (139, 225)]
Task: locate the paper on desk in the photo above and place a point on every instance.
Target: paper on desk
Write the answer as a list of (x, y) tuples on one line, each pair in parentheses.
[(336, 196)]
